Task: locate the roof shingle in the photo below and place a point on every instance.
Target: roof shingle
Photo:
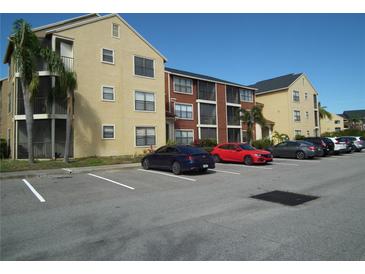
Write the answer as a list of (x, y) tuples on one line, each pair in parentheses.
[(276, 83)]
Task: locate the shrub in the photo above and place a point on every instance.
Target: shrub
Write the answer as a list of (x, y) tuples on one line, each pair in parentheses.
[(299, 137), (4, 149), (346, 132), (205, 143), (262, 143)]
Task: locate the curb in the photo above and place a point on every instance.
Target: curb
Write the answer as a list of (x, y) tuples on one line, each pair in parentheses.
[(63, 172)]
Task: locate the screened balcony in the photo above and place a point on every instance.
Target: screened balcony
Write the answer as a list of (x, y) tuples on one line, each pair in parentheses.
[(233, 116)]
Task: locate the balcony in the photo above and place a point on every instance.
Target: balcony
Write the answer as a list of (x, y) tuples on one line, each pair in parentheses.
[(208, 120), (233, 116)]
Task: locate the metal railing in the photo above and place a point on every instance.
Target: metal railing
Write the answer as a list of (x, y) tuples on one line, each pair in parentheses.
[(41, 105), (68, 62), (43, 150)]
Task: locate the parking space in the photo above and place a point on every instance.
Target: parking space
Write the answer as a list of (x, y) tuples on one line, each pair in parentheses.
[(130, 204)]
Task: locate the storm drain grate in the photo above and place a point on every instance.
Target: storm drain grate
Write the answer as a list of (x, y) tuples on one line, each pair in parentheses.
[(285, 198)]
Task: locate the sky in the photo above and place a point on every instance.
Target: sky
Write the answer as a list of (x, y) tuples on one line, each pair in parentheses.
[(246, 48)]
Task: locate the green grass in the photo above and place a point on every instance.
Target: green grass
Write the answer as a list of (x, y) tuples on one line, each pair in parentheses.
[(20, 165)]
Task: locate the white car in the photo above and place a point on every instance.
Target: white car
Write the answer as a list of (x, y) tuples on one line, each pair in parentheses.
[(340, 147)]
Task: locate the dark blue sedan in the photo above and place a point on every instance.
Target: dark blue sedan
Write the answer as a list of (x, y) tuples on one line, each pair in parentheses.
[(179, 158)]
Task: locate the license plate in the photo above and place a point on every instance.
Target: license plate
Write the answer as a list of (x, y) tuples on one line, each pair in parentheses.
[(205, 166)]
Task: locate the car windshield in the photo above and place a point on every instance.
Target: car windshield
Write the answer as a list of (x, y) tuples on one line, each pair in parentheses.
[(246, 147), (191, 150)]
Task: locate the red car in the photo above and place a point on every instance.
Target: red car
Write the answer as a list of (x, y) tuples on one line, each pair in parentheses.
[(240, 152)]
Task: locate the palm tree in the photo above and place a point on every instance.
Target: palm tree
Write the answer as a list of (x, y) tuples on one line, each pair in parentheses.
[(250, 117), (323, 113), (26, 52), (66, 83), (279, 137)]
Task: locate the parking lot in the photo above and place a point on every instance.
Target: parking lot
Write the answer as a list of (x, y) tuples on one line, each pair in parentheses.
[(136, 214)]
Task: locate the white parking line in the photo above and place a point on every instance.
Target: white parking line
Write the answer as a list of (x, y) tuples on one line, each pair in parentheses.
[(106, 179), (284, 164), (167, 174), (229, 172), (39, 196), (244, 166), (298, 161)]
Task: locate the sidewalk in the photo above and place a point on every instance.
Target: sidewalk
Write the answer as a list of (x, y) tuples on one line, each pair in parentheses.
[(61, 171)]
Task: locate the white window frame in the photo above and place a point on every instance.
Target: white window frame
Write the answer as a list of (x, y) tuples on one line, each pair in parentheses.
[(297, 121), (295, 134), (102, 131), (143, 91), (142, 76), (176, 91), (102, 93), (113, 30), (296, 101), (135, 135), (106, 62), (184, 104), (252, 92), (184, 129)]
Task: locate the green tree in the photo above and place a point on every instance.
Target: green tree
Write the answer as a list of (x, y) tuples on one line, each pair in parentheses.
[(65, 85), (250, 117), (323, 113), (26, 53), (279, 137)]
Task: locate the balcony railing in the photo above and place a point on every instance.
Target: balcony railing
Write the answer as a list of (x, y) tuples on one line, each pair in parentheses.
[(208, 120), (68, 62), (43, 150)]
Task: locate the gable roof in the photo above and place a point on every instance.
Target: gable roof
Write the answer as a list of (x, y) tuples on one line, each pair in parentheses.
[(79, 24), (276, 84), (359, 114), (204, 77)]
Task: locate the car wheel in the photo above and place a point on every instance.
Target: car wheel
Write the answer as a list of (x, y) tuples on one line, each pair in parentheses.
[(247, 160), (176, 168), (217, 159), (146, 164), (300, 155)]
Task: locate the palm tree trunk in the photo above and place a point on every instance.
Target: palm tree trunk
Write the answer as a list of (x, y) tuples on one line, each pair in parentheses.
[(68, 126), (28, 108)]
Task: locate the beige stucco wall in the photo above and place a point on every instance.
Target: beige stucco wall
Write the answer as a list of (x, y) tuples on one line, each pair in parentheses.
[(329, 125), (90, 111), (6, 116), (279, 108), (276, 109), (306, 125)]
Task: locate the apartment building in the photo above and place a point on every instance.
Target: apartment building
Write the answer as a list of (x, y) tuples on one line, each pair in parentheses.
[(203, 107), (334, 124), (119, 102), (291, 102), (354, 119)]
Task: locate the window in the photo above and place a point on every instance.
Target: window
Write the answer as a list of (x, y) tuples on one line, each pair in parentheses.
[(108, 93), (246, 95), (206, 90), (9, 102), (183, 85), (184, 111), (233, 95), (144, 67), (244, 136), (108, 56), (184, 137), (316, 118), (315, 101), (308, 133), (115, 30), (233, 116), (144, 101), (145, 136), (307, 114), (208, 133), (337, 129), (296, 115), (297, 132), (296, 97), (306, 96), (234, 135), (207, 114), (337, 122), (108, 132)]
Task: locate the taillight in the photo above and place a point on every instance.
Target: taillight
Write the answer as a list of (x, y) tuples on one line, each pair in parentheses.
[(337, 142), (323, 144), (312, 148), (190, 157)]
